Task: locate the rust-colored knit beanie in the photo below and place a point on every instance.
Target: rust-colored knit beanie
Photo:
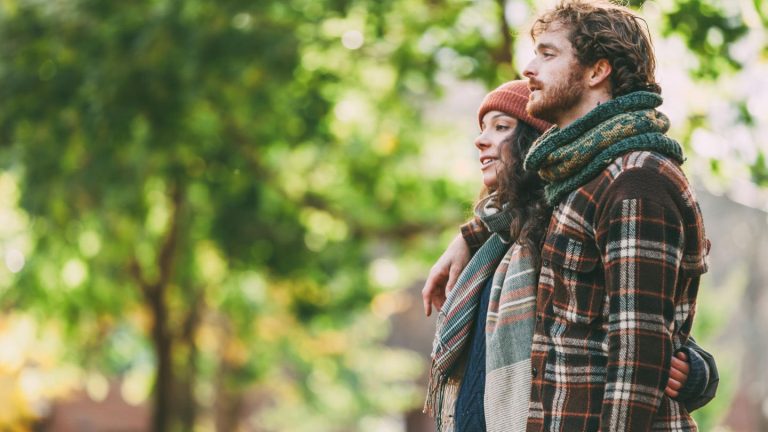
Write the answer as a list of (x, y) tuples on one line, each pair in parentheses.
[(511, 98)]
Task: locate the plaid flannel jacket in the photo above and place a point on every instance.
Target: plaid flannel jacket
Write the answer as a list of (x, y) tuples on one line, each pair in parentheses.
[(620, 273)]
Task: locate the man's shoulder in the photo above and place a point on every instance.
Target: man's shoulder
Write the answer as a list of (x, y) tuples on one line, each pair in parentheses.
[(639, 174), (645, 163), (644, 175)]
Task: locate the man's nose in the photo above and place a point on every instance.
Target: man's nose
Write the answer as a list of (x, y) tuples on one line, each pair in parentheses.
[(530, 69)]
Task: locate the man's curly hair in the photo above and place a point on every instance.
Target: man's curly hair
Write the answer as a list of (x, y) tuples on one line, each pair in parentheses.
[(602, 30)]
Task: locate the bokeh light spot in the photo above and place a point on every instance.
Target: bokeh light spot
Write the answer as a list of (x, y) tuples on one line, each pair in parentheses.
[(74, 273), (384, 272), (96, 386), (14, 260), (90, 243), (352, 39)]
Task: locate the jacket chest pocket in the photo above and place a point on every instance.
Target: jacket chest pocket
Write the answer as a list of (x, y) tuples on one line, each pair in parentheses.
[(577, 278)]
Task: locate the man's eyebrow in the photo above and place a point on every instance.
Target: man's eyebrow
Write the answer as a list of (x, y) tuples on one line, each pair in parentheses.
[(544, 45)]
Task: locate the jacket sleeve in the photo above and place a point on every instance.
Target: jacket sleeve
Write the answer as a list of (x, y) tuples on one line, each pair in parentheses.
[(641, 242), (475, 234), (703, 378)]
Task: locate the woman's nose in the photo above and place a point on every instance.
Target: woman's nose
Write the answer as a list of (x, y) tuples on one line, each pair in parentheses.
[(481, 141)]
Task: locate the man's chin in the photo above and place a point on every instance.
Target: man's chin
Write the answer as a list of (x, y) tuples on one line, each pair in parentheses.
[(540, 112)]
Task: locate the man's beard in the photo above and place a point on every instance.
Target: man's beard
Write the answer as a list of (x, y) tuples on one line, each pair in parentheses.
[(559, 98)]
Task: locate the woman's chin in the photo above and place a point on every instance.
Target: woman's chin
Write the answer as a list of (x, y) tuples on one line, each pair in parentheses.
[(490, 181)]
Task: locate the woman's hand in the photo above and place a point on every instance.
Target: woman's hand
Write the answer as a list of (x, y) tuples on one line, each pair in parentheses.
[(678, 374)]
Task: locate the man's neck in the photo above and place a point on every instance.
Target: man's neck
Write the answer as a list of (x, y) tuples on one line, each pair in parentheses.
[(589, 102)]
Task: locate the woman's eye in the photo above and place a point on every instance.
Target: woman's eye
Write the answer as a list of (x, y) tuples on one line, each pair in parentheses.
[(501, 127)]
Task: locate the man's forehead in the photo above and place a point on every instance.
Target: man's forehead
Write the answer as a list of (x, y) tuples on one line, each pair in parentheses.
[(555, 34)]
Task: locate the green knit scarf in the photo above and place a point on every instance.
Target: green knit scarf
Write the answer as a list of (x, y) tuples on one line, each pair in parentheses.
[(570, 157)]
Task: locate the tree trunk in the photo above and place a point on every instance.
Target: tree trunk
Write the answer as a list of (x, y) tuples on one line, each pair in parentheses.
[(155, 294), (504, 54), (164, 379), (186, 407)]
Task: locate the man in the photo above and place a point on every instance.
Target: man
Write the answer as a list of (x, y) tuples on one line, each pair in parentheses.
[(625, 246)]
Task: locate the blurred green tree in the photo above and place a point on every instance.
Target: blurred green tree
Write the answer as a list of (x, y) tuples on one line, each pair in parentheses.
[(227, 169)]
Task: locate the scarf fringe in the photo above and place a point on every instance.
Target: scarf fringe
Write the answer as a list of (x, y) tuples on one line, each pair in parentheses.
[(435, 391), (442, 393)]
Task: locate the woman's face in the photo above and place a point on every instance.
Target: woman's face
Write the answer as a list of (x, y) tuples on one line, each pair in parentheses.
[(495, 128)]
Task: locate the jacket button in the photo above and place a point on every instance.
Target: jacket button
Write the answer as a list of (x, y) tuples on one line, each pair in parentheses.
[(538, 317), (534, 372), (545, 263)]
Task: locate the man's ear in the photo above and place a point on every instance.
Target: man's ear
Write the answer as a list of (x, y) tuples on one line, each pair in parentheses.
[(599, 72)]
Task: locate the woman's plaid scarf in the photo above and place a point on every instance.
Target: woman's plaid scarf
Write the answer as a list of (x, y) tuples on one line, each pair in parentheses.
[(455, 319), (569, 158)]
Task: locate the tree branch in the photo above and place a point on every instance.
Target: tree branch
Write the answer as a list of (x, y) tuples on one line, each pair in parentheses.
[(134, 270), (504, 54), (167, 254)]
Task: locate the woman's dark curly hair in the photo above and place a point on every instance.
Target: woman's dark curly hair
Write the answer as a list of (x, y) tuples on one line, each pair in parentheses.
[(521, 190), (603, 30)]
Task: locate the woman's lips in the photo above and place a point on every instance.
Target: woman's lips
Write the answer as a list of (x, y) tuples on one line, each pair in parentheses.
[(486, 162)]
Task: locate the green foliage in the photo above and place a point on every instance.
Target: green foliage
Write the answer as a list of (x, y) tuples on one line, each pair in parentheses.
[(709, 31), (222, 175), (759, 170)]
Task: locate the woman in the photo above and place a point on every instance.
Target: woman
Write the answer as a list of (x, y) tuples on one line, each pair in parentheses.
[(480, 375), (483, 343)]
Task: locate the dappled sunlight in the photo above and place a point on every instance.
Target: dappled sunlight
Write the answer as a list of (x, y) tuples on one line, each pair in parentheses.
[(352, 39), (90, 243), (386, 304), (32, 375), (14, 240), (384, 272), (136, 387), (234, 206), (96, 386), (211, 263), (74, 273), (14, 260)]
